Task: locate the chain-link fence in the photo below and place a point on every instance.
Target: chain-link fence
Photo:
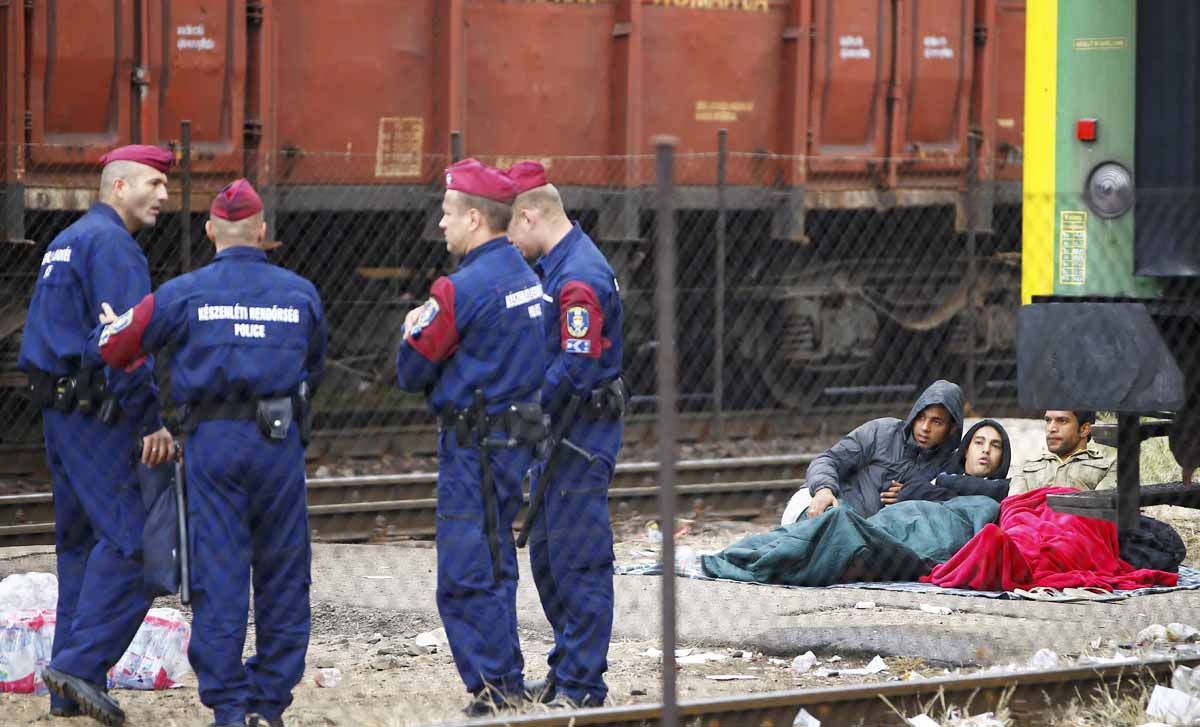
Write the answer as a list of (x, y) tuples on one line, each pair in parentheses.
[(831, 294), (795, 287)]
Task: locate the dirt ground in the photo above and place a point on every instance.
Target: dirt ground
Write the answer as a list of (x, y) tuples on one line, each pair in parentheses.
[(386, 679), (367, 629)]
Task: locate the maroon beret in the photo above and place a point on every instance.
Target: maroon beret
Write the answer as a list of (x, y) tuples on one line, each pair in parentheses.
[(474, 177), (236, 201), (152, 156), (527, 175)]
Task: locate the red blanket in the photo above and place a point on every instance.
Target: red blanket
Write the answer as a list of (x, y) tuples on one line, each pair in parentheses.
[(1036, 546)]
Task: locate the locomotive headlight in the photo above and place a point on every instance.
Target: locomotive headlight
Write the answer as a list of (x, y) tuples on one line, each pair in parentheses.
[(1109, 190)]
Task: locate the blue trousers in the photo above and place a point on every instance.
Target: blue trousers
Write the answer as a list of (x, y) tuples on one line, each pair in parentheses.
[(247, 511), (98, 516), (571, 554), (478, 610)]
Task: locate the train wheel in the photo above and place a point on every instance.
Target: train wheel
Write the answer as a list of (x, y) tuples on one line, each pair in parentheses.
[(794, 385)]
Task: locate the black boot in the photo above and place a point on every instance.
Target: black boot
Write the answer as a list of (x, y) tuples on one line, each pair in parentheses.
[(488, 702), (257, 720), (92, 699), (67, 710), (541, 690)]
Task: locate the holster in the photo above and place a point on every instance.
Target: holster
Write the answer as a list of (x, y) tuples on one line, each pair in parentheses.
[(525, 423), (86, 390), (606, 402), (274, 417)]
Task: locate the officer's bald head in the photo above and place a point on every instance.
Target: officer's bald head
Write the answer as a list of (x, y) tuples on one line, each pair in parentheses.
[(539, 221), (125, 170), (229, 233), (545, 200), (136, 191)]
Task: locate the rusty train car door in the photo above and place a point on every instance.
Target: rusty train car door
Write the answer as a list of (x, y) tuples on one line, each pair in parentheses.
[(102, 73)]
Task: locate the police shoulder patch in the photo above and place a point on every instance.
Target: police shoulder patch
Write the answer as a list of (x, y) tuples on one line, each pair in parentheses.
[(577, 321), (116, 326), (577, 345), (429, 311), (426, 313)]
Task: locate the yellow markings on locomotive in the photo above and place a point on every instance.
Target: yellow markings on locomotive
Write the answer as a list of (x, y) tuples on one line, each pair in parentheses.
[(1099, 43), (1041, 88), (1072, 247)]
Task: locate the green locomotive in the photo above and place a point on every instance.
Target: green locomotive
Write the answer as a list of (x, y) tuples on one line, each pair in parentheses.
[(1111, 244)]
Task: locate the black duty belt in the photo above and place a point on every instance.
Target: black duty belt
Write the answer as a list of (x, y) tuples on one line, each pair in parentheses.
[(85, 390), (208, 411), (518, 424), (274, 416)]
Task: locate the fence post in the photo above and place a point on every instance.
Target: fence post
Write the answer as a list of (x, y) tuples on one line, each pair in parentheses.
[(719, 304), (185, 196), (668, 424), (972, 270), (456, 146)]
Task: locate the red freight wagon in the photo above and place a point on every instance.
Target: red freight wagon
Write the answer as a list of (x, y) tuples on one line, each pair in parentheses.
[(343, 113), (367, 92)]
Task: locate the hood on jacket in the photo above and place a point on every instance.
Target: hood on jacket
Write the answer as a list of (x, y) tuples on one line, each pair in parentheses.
[(949, 395), (1001, 471)]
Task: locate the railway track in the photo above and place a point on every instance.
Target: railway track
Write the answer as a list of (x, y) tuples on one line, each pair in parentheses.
[(1027, 696), (382, 507)]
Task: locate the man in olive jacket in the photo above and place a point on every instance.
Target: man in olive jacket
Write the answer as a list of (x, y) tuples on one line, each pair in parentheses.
[(855, 471)]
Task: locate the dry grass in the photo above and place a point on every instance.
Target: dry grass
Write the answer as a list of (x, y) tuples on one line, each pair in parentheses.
[(1106, 708)]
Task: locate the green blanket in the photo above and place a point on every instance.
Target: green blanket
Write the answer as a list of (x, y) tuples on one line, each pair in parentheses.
[(901, 542)]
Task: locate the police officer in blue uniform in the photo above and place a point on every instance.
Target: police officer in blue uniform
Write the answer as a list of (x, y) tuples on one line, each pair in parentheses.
[(475, 348), (571, 540), (91, 412), (250, 345)]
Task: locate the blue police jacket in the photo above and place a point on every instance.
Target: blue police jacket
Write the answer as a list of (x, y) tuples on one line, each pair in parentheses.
[(583, 318), (243, 327), (94, 260), (480, 329)]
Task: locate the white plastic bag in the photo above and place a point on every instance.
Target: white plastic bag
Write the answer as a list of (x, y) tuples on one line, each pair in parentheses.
[(796, 506), (29, 591), (26, 638), (157, 657)]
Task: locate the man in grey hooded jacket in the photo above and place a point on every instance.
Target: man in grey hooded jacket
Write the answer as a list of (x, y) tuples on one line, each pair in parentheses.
[(855, 471)]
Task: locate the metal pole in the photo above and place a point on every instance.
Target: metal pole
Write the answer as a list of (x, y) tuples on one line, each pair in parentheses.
[(668, 417), (456, 146), (719, 303), (185, 196), (1129, 477), (972, 271)]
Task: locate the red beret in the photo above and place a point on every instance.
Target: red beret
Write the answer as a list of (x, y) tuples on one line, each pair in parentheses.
[(236, 201), (152, 156), (474, 177), (527, 175)]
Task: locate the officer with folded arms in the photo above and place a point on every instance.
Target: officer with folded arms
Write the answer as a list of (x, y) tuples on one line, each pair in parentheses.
[(475, 348), (249, 341), (91, 416)]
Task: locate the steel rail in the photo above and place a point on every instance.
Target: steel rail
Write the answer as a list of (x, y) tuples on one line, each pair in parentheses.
[(1028, 697), (378, 507)]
